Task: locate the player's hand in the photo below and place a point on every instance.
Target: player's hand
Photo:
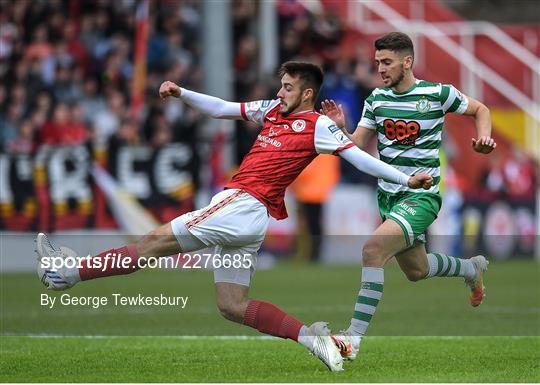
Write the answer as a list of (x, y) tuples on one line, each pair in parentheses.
[(334, 112), (483, 145), (422, 180), (168, 88)]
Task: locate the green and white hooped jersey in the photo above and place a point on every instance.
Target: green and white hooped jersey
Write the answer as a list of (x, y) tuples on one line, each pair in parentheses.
[(409, 127)]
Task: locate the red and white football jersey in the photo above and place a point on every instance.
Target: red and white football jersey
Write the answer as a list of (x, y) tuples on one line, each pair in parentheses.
[(283, 148)]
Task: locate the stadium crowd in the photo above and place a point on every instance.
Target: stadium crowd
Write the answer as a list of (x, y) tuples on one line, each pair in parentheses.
[(66, 72), (67, 67)]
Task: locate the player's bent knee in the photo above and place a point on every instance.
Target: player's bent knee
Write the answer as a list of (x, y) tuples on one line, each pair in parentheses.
[(230, 311), (371, 254)]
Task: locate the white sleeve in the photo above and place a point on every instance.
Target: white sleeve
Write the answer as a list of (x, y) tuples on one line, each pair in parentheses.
[(328, 138), (255, 111), (368, 117), (373, 166), (210, 105)]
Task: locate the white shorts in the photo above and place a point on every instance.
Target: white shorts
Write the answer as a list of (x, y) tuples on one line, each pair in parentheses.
[(235, 223)]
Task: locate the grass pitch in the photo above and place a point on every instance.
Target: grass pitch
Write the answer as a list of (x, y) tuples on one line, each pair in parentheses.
[(422, 332)]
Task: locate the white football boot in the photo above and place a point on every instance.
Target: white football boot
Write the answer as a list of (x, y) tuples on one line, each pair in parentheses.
[(61, 279), (476, 283), (324, 347), (348, 344)]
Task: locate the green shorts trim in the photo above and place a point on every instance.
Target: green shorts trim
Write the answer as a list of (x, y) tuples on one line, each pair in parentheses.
[(413, 212)]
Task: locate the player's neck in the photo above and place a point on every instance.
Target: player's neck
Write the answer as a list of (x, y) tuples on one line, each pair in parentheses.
[(407, 82), (304, 107)]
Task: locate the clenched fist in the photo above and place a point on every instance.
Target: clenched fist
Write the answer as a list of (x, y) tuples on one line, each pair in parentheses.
[(168, 88), (422, 180)]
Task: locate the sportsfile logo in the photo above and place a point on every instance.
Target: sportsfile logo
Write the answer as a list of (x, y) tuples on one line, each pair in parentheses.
[(180, 261)]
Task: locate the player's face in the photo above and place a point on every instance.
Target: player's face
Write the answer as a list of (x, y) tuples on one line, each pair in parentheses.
[(290, 94), (391, 66)]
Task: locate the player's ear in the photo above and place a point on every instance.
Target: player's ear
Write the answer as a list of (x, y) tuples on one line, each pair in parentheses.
[(307, 94), (408, 61)]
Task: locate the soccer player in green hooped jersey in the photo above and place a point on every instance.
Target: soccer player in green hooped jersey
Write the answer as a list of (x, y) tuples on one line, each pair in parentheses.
[(407, 115)]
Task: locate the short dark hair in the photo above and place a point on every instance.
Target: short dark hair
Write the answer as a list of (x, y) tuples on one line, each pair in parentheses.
[(395, 41), (310, 74)]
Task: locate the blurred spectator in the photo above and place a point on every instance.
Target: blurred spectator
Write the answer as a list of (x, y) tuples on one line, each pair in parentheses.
[(161, 133), (128, 134), (177, 53), (40, 48), (78, 131), (513, 177), (43, 103), (157, 50), (107, 120), (92, 101), (66, 126), (245, 64), (8, 36), (31, 77), (89, 36), (3, 98), (66, 89), (519, 174), (10, 123), (59, 59), (23, 143), (18, 96), (76, 47)]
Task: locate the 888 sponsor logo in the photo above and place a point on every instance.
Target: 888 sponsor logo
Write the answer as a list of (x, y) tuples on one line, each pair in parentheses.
[(401, 131)]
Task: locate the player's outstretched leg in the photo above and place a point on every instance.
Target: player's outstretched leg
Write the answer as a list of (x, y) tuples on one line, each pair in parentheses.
[(123, 260), (233, 303), (418, 265), (472, 270)]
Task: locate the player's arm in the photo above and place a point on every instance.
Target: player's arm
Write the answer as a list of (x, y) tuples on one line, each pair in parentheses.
[(375, 167), (329, 140), (484, 143), (359, 137), (208, 105)]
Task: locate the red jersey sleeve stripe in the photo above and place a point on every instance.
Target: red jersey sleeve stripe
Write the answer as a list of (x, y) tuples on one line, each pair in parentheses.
[(243, 111), (343, 148)]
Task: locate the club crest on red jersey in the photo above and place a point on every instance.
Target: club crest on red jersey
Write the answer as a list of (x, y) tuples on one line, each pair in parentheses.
[(298, 125)]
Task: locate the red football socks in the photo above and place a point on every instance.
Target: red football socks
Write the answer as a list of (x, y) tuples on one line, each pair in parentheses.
[(111, 262), (271, 320)]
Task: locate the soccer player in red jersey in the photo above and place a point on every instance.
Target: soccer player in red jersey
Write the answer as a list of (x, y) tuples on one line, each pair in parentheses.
[(236, 219)]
